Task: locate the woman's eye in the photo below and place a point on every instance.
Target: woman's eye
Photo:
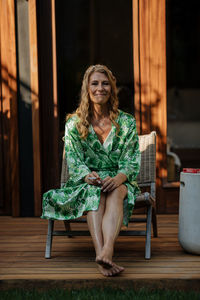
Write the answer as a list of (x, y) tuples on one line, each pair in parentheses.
[(97, 83)]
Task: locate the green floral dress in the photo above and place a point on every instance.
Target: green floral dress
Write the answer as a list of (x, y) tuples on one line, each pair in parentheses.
[(118, 154)]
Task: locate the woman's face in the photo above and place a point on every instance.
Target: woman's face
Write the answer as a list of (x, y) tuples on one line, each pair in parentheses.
[(99, 88)]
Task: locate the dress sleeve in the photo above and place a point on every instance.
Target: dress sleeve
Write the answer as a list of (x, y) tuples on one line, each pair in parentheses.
[(75, 156), (129, 161)]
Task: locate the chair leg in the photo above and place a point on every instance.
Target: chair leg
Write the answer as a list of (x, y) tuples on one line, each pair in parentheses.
[(148, 233), (154, 222), (49, 239), (68, 227)]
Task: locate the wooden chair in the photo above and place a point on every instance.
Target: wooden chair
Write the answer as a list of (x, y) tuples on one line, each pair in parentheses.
[(145, 179)]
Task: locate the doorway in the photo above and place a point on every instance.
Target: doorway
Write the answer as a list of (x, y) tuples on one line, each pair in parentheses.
[(90, 32)]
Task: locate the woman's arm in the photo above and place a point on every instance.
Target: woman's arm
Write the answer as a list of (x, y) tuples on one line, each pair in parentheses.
[(74, 155)]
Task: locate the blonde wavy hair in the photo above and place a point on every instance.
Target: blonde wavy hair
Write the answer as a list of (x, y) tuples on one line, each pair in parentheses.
[(84, 111)]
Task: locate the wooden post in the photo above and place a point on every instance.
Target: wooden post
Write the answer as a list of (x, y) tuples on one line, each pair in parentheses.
[(149, 47), (54, 67), (47, 101), (9, 130), (136, 65), (14, 139), (45, 113), (5, 108), (35, 106)]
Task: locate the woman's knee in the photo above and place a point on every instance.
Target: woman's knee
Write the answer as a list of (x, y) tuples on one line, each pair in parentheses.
[(120, 192)]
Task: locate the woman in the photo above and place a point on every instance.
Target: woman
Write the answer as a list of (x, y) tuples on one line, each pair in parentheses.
[(103, 157)]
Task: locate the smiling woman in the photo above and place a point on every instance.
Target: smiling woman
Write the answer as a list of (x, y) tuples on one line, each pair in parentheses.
[(103, 157), (99, 88)]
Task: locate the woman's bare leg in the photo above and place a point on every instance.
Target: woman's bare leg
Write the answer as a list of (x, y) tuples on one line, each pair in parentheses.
[(94, 220), (111, 224)]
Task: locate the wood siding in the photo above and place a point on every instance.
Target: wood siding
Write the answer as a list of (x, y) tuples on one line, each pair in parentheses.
[(9, 159), (149, 48), (149, 55), (34, 88)]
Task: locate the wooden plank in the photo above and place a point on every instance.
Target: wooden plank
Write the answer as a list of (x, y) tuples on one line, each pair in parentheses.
[(85, 276), (62, 257), (54, 63), (149, 47), (144, 36), (158, 91), (90, 264), (9, 124), (87, 270), (1, 127), (136, 64), (55, 92), (35, 106), (14, 139), (5, 107), (48, 93)]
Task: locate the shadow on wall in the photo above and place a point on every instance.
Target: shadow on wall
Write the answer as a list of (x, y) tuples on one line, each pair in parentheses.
[(149, 119), (16, 168)]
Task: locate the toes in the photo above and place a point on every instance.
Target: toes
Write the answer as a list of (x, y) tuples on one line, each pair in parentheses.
[(115, 271), (119, 268)]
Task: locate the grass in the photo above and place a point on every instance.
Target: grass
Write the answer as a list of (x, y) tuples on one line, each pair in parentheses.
[(97, 294)]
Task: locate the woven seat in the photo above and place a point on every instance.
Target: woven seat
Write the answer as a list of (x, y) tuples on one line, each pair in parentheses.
[(146, 178)]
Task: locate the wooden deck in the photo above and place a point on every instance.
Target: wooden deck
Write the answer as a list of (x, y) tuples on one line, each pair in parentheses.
[(22, 262)]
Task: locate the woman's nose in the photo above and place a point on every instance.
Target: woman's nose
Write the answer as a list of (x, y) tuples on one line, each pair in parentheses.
[(100, 86)]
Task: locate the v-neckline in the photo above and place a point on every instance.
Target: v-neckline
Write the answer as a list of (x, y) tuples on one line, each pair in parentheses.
[(113, 129), (98, 137), (107, 136)]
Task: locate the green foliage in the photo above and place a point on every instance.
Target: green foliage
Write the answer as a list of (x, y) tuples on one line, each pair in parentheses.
[(97, 294)]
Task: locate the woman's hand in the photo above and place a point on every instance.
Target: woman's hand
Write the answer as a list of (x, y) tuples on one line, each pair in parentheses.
[(93, 178), (111, 183)]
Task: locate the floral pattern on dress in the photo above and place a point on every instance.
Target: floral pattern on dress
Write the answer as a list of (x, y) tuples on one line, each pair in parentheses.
[(119, 154)]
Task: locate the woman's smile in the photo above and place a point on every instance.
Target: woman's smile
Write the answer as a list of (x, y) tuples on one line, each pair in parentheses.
[(99, 88)]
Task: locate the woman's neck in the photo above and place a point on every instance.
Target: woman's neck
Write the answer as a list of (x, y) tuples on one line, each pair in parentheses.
[(99, 112)]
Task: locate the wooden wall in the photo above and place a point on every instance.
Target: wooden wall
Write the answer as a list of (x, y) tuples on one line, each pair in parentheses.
[(45, 120), (35, 107), (42, 88), (149, 46), (9, 150), (47, 72)]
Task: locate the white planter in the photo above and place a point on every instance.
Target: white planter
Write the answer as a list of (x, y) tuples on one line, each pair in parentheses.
[(189, 212)]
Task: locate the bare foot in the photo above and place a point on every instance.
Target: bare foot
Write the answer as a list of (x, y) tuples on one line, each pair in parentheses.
[(115, 270), (105, 272), (105, 258)]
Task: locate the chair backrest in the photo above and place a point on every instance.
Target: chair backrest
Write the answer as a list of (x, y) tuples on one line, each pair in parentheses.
[(147, 173)]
